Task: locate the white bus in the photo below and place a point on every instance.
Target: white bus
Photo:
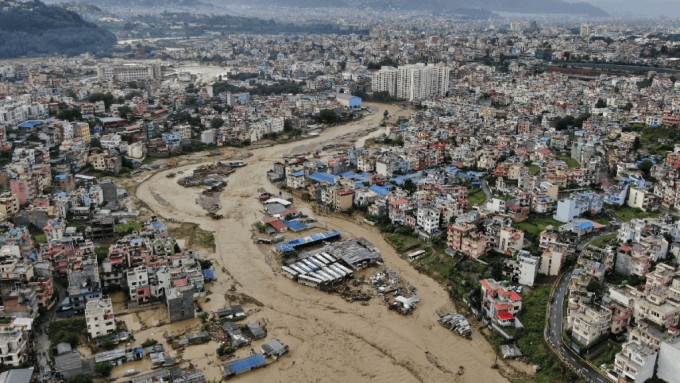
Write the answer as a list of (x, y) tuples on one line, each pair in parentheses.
[(415, 255)]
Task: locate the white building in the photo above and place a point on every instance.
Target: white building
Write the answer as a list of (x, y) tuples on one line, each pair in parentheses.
[(669, 355), (413, 81), (635, 362), (99, 317), (13, 344), (428, 219), (577, 204), (208, 136), (110, 141), (528, 268), (129, 72)]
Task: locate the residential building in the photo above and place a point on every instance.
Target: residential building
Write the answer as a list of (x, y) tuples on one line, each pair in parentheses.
[(500, 303), (99, 317), (669, 355), (577, 204), (635, 362)]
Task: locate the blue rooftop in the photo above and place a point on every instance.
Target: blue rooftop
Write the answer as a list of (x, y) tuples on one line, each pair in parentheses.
[(322, 177), (298, 174), (30, 124), (110, 119), (295, 225), (245, 364), (208, 273), (584, 225), (380, 190)]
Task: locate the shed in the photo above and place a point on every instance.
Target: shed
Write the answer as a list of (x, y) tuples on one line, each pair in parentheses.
[(274, 348)]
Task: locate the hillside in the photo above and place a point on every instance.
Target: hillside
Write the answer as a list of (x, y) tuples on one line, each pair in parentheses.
[(35, 29), (513, 6)]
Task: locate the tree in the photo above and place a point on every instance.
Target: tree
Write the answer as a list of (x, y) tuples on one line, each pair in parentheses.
[(149, 343), (601, 103), (636, 143), (386, 113), (216, 122), (108, 344), (103, 368), (328, 116), (80, 378), (646, 167)]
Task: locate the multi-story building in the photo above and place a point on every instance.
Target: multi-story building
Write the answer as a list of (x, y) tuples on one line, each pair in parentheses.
[(641, 199), (577, 204), (510, 240), (9, 205), (587, 321), (180, 302), (13, 344), (412, 82), (635, 362), (99, 317), (138, 284), (669, 355), (428, 219), (129, 72), (500, 303)]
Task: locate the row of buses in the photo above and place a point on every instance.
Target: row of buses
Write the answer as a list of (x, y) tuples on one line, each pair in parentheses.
[(317, 270)]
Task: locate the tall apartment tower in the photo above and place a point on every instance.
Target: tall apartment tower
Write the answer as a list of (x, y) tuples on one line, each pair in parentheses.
[(413, 81)]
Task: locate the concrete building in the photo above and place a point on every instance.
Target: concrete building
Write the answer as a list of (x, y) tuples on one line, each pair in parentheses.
[(180, 302), (129, 72), (669, 355), (500, 303), (99, 317), (428, 219), (13, 344), (577, 204), (640, 199), (528, 268), (551, 260), (588, 322), (635, 362), (412, 82)]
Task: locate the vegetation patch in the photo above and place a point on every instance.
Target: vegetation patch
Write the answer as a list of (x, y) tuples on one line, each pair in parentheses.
[(477, 197), (193, 235), (626, 213)]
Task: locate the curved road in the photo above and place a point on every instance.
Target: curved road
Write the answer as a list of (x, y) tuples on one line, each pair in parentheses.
[(555, 323)]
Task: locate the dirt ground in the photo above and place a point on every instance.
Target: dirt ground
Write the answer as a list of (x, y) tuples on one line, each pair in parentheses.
[(330, 339)]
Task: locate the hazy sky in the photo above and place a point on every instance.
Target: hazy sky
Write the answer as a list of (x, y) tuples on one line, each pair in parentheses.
[(670, 8)]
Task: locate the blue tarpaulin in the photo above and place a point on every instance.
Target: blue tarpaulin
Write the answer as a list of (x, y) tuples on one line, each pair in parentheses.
[(245, 364)]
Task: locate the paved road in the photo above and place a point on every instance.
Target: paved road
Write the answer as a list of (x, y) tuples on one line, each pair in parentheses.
[(555, 333)]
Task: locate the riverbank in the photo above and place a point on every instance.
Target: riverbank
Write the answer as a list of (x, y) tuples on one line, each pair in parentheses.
[(330, 339)]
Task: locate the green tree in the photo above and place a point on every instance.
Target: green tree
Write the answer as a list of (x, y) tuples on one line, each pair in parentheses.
[(600, 103), (646, 167), (636, 143), (328, 116), (103, 368), (80, 378), (149, 343), (216, 122), (386, 113)]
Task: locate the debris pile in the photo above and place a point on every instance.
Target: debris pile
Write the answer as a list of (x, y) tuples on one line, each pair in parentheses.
[(456, 323)]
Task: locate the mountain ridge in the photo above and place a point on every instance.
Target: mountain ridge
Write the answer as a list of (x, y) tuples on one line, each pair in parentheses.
[(36, 29)]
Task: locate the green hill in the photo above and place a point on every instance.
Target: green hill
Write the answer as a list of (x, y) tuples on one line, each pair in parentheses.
[(35, 29)]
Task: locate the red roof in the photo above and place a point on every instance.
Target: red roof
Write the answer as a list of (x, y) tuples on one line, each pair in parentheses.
[(399, 202), (504, 315), (515, 297)]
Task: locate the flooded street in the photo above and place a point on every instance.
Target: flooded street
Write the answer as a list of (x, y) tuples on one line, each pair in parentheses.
[(330, 339)]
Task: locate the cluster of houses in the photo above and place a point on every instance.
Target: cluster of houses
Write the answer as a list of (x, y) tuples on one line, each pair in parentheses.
[(643, 310)]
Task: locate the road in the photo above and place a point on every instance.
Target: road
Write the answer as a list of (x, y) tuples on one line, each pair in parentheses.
[(556, 315)]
